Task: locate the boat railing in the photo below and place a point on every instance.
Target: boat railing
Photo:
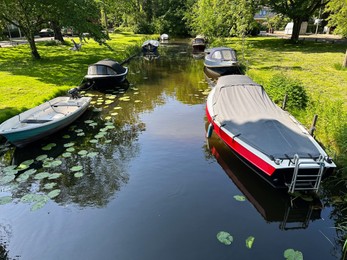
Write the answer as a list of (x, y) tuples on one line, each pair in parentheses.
[(305, 182)]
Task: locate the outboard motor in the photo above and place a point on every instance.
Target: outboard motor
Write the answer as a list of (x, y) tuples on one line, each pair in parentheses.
[(74, 93)]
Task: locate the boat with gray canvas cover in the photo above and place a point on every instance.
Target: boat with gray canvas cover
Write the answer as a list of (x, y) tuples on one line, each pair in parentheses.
[(267, 138)]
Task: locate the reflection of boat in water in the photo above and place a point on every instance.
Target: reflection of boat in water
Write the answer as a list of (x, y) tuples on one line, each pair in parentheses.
[(43, 120), (266, 137), (274, 205), (104, 73), (151, 55)]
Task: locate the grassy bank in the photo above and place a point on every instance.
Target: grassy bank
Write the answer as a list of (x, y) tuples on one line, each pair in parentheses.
[(26, 83), (317, 67)]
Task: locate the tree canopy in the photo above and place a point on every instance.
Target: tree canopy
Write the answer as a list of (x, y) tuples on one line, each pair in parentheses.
[(338, 16)]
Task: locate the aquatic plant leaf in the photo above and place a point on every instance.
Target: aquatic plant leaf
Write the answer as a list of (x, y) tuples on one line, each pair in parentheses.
[(249, 242), (98, 136), (138, 101), (116, 108), (7, 178), (66, 136), (9, 168), (225, 238), (39, 204), (27, 198), (49, 146), (69, 144), (70, 149), (55, 175), (54, 193), (114, 114), (47, 164), (79, 130), (76, 168), (78, 174), (41, 157), (93, 124), (108, 118), (67, 155), (5, 200), (89, 121), (81, 134), (93, 141), (10, 171), (56, 163), (83, 152), (49, 186), (108, 141), (92, 154), (23, 177), (30, 172), (41, 175), (22, 167), (110, 127), (240, 198), (291, 254)]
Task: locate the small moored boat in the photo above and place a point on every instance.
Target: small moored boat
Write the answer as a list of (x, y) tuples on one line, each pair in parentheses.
[(199, 43), (221, 61), (104, 73), (270, 140), (164, 37), (150, 46), (43, 120)]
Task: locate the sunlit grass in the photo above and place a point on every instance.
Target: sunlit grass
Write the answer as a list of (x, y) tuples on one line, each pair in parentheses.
[(26, 83)]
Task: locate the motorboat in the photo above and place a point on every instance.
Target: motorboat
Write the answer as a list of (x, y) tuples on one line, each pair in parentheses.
[(270, 140), (274, 205), (221, 61), (43, 120), (199, 44), (164, 37), (150, 46), (104, 73)]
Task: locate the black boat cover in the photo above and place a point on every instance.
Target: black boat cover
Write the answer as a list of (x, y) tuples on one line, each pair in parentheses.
[(245, 110), (106, 67)]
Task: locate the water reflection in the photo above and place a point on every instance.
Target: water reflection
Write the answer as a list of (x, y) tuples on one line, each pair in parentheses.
[(274, 205)]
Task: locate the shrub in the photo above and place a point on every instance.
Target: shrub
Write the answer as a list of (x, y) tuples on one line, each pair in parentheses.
[(280, 85)]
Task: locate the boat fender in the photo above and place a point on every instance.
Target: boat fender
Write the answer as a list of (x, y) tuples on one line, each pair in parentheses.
[(209, 130)]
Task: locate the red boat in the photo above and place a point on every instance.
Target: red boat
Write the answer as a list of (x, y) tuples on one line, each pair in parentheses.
[(270, 140)]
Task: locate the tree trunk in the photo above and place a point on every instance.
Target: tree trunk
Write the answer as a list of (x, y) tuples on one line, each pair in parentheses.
[(57, 32), (34, 53), (296, 29), (344, 63)]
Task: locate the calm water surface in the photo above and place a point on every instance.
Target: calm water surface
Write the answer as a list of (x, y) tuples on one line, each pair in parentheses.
[(152, 187)]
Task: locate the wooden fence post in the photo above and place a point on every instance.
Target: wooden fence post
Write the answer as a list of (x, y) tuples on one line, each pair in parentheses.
[(344, 63)]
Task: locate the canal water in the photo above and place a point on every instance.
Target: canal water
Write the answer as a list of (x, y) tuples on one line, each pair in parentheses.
[(135, 179)]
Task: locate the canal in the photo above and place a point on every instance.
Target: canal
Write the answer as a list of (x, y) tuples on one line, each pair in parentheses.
[(135, 179)]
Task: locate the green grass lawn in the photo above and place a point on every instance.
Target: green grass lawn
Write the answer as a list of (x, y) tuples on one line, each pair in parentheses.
[(26, 83)]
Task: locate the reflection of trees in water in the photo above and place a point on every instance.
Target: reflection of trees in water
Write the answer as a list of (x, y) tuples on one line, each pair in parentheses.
[(5, 233)]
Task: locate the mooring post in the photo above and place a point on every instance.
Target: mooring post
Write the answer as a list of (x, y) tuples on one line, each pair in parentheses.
[(284, 102), (313, 126)]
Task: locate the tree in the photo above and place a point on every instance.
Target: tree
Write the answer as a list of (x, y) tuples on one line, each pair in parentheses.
[(337, 10), (297, 10), (27, 16)]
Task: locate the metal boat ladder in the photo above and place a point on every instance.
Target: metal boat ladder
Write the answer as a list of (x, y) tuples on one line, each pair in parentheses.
[(302, 181)]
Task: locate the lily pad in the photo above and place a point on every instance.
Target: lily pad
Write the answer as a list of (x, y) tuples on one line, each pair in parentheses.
[(225, 238), (7, 179), (41, 175), (249, 242), (54, 193), (49, 146), (92, 154), (41, 157), (5, 200), (49, 186), (89, 121), (55, 175), (69, 144), (25, 165), (81, 134), (10, 171), (76, 168), (9, 168), (291, 254), (40, 203), (78, 174), (66, 136), (93, 141), (23, 177), (30, 172), (67, 155), (240, 198), (70, 149), (83, 152)]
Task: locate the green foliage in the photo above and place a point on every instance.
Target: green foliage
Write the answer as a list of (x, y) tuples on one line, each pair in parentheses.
[(291, 254), (337, 10), (225, 238), (280, 85)]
